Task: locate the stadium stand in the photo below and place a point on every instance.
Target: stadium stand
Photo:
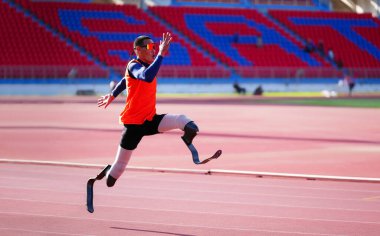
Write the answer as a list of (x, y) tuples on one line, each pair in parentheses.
[(209, 42), (107, 32), (353, 38), (32, 48), (372, 35), (231, 36)]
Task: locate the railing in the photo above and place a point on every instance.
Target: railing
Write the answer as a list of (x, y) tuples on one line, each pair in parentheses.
[(284, 2), (187, 72), (194, 72), (288, 72), (307, 72), (209, 1), (53, 72), (267, 2), (94, 72)]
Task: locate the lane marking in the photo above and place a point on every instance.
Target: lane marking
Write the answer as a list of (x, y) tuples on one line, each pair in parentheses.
[(130, 175), (221, 203), (206, 134), (171, 225), (142, 176), (205, 172), (212, 213), (200, 191), (334, 189)]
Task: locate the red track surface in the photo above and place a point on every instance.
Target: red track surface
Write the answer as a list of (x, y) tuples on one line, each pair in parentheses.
[(50, 200), (45, 200)]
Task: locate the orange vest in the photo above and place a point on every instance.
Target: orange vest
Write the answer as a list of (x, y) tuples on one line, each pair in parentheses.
[(141, 100)]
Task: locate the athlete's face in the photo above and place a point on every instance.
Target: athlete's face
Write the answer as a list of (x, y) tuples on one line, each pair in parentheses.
[(147, 52)]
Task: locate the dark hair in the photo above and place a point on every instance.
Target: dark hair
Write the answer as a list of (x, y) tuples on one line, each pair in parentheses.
[(139, 41)]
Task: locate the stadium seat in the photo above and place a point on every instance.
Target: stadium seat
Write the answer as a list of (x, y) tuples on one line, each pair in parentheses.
[(354, 38), (107, 31), (26, 44), (231, 35)]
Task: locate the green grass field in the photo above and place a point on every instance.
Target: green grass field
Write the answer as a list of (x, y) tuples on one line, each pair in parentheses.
[(333, 102), (367, 100)]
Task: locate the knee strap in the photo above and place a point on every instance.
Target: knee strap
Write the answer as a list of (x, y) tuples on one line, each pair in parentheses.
[(191, 130), (111, 181)]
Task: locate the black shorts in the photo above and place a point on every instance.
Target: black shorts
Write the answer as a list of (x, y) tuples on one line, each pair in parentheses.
[(133, 134)]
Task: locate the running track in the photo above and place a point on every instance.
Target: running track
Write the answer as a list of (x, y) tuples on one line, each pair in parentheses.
[(46, 200), (50, 199)]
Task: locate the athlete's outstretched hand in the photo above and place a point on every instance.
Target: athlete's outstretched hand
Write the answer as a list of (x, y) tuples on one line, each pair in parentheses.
[(105, 100), (165, 43)]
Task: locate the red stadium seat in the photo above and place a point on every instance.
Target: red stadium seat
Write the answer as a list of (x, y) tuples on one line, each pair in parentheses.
[(348, 52)]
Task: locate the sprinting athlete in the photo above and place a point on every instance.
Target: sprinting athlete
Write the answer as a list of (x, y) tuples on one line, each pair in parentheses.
[(139, 115)]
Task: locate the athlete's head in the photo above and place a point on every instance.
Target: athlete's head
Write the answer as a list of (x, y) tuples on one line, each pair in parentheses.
[(145, 48)]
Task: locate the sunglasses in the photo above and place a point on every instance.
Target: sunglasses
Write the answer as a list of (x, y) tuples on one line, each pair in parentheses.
[(150, 46)]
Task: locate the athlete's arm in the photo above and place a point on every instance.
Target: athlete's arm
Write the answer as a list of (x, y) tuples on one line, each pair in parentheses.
[(107, 99), (138, 71), (119, 88)]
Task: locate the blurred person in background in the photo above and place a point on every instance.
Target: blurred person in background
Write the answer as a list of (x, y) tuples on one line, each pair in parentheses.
[(350, 82)]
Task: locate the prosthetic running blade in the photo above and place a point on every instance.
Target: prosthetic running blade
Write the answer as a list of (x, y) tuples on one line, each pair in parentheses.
[(195, 155), (90, 188)]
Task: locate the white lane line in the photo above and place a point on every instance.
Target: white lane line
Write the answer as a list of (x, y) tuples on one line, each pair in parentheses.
[(42, 232), (208, 192), (296, 176), (205, 212), (194, 200), (211, 171), (171, 225), (139, 197), (299, 196), (129, 175), (253, 184)]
